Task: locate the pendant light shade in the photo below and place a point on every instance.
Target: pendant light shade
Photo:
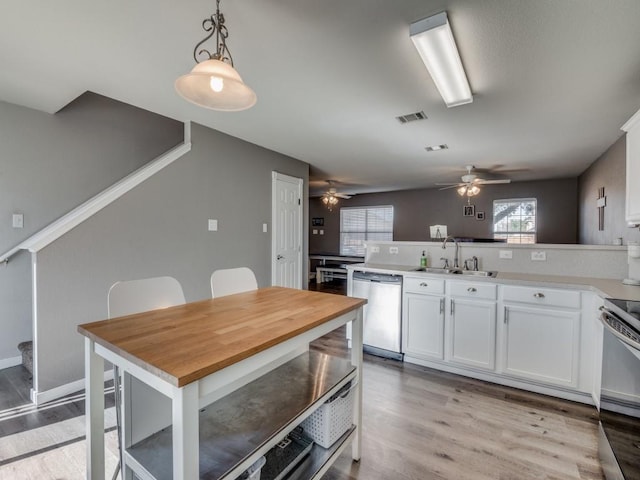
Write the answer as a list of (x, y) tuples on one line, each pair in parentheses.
[(216, 85)]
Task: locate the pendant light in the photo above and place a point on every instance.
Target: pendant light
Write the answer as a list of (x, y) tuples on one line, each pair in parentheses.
[(213, 83)]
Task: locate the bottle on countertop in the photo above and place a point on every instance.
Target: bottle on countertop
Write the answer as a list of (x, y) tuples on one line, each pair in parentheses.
[(424, 260)]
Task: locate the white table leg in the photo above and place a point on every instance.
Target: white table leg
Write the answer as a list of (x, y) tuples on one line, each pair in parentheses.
[(356, 360), (186, 433), (94, 411)]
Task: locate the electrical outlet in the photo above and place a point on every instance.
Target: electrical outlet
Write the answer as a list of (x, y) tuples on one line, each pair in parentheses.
[(375, 249), (213, 225), (539, 256), (393, 250), (508, 254)]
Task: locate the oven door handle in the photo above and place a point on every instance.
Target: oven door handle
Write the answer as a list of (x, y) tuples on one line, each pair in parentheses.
[(604, 315)]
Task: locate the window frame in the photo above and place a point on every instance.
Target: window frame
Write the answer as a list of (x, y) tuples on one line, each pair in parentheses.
[(511, 235), (367, 233)]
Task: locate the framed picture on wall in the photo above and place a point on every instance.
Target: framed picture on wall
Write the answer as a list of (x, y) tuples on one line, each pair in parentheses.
[(479, 215), (317, 222), (469, 210)]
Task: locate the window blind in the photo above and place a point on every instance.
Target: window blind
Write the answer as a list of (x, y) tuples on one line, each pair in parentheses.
[(359, 224)]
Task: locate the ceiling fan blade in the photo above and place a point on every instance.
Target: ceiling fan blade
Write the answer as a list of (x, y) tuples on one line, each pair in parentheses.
[(451, 184), (342, 195), (489, 182), (456, 185)]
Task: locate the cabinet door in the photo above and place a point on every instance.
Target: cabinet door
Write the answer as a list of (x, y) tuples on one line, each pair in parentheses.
[(423, 326), (542, 344), (633, 172), (472, 333)]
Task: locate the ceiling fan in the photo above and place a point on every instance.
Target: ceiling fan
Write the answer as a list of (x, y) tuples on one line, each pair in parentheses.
[(470, 184), (331, 196)]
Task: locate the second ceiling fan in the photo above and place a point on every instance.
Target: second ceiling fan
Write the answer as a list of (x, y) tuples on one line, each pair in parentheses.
[(470, 184)]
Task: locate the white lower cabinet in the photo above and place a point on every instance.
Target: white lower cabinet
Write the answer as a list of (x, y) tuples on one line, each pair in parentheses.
[(472, 333), (423, 326), (527, 337), (542, 344)]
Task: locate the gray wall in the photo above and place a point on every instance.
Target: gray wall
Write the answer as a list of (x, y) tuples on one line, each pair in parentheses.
[(415, 210), (608, 171), (159, 228), (49, 164)]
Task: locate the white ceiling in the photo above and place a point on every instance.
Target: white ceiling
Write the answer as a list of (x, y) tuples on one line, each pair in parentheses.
[(553, 80)]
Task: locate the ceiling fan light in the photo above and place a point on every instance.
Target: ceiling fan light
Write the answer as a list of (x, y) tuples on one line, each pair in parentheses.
[(433, 38), (197, 87), (474, 190), (462, 190)]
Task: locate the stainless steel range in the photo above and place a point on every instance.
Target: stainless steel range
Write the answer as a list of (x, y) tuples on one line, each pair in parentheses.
[(619, 442)]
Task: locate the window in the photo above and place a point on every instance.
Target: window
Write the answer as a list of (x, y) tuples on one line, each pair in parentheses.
[(359, 224), (514, 220)]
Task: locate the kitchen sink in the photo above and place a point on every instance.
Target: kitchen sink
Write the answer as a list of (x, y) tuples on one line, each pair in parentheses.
[(478, 273), (456, 271)]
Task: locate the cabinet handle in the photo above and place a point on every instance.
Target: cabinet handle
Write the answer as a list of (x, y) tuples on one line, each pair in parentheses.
[(424, 284), (441, 306), (538, 295), (471, 290), (506, 315), (451, 307)]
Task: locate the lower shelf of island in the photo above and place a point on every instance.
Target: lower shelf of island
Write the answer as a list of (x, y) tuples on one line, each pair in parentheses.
[(238, 429)]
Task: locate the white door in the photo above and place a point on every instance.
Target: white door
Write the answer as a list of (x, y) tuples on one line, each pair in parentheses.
[(286, 232), (423, 326), (542, 344), (472, 333)]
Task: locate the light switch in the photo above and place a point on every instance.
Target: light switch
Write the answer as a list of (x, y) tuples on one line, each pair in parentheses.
[(213, 225), (17, 220), (315, 231), (321, 232), (508, 254), (264, 228)]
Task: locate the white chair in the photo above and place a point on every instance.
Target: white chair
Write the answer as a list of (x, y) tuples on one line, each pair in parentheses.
[(232, 280), (135, 296)]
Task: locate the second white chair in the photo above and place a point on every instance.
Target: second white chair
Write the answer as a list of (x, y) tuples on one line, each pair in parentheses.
[(232, 280), (127, 298)]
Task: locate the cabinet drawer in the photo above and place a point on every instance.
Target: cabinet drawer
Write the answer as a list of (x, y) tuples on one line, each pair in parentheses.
[(473, 290), (542, 296), (423, 285)]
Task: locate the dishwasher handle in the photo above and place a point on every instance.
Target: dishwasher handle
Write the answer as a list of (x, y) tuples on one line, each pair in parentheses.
[(377, 277)]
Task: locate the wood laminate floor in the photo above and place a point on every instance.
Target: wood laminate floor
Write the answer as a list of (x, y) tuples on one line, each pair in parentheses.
[(418, 424)]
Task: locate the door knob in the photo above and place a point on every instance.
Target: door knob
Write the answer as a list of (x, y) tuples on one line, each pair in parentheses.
[(279, 257)]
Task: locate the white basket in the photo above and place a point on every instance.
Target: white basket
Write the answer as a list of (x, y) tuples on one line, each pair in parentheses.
[(332, 419)]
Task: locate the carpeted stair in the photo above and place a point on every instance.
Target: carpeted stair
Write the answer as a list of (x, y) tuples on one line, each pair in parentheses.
[(26, 348)]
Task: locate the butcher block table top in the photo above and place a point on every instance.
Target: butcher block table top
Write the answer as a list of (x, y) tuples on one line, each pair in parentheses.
[(185, 343)]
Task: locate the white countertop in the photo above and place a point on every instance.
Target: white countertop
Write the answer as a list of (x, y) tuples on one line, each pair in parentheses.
[(604, 287)]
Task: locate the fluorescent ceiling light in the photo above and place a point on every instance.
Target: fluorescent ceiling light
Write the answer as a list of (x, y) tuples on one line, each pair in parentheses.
[(434, 40)]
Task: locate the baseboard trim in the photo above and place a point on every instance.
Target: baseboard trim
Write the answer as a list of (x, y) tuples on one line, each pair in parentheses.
[(558, 392), (45, 396), (10, 362)]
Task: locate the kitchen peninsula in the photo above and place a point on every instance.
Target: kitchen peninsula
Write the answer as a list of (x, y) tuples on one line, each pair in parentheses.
[(203, 353), (532, 325)]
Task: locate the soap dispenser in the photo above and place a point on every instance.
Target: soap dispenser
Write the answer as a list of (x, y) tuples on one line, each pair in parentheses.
[(423, 259)]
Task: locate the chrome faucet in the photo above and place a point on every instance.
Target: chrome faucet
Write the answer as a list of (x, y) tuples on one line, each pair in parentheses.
[(455, 257), (473, 261)]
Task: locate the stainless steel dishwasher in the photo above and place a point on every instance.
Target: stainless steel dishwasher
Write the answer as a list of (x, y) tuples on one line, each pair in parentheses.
[(382, 313)]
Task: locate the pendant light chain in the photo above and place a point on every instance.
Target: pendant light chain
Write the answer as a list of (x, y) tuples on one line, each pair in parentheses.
[(215, 24)]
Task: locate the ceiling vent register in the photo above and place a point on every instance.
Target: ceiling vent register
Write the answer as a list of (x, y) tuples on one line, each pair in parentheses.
[(412, 117)]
